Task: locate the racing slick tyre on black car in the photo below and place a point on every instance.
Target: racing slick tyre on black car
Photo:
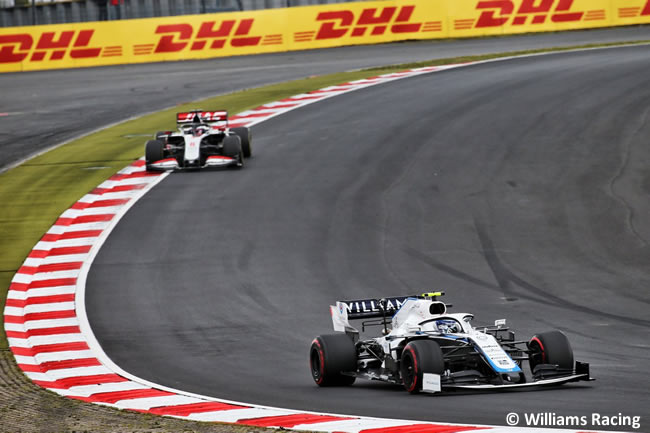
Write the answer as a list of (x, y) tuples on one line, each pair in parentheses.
[(419, 357), (329, 356)]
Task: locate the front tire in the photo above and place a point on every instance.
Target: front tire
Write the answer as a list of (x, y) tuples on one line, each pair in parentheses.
[(329, 356), (246, 138), (232, 148), (551, 347), (153, 151), (419, 357)]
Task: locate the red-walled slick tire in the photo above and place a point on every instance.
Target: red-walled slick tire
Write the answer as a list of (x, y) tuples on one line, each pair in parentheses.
[(330, 356), (419, 357), (550, 348)]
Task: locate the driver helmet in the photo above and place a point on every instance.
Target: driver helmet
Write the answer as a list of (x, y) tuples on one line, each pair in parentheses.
[(200, 130), (447, 326)]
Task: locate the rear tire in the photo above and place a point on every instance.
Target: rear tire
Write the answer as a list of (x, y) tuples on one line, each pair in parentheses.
[(153, 151), (419, 357), (246, 138), (330, 355), (551, 347)]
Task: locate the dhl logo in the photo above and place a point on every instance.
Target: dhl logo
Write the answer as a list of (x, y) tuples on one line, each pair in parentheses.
[(497, 13), (19, 47), (337, 24), (211, 34)]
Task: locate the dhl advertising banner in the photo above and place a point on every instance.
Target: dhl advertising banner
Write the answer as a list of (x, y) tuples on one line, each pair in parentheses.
[(298, 28)]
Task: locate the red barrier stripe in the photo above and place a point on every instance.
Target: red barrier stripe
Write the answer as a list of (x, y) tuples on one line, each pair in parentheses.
[(28, 270), (63, 221), (62, 251), (119, 188), (54, 267), (45, 331), (84, 219), (289, 421), (40, 300), (71, 235), (49, 348), (139, 162), (80, 234), (80, 205), (112, 397), (81, 381), (57, 365), (66, 314), (108, 203), (187, 409), (423, 428), (38, 254), (19, 287), (54, 282)]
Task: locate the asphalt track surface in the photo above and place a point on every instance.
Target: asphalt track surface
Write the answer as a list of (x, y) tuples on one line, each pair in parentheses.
[(41, 109), (520, 187)]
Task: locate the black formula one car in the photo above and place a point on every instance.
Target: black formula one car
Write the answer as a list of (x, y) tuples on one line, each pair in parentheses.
[(424, 348), (203, 139)]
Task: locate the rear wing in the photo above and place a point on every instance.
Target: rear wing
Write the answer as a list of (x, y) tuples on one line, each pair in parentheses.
[(384, 308), (199, 116), (371, 308)]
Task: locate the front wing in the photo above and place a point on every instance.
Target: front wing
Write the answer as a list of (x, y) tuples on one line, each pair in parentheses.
[(541, 382), (211, 161)]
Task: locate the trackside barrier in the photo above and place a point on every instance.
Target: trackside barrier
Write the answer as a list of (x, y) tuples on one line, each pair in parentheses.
[(273, 30)]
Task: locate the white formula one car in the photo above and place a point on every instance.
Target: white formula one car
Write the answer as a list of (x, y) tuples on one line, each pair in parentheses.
[(203, 140), (424, 348)]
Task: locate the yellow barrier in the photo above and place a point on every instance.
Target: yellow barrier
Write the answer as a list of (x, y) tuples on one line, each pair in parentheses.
[(299, 28)]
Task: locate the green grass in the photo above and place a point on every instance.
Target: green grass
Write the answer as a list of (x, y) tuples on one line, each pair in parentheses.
[(35, 193)]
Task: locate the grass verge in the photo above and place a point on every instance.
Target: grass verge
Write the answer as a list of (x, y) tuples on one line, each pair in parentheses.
[(38, 191)]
